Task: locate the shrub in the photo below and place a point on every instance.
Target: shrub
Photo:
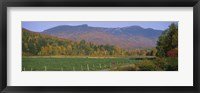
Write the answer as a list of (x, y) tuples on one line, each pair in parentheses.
[(130, 67), (167, 64), (172, 64), (161, 63), (173, 53), (147, 66)]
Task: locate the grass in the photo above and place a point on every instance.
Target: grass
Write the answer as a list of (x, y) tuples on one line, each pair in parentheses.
[(98, 64), (72, 64)]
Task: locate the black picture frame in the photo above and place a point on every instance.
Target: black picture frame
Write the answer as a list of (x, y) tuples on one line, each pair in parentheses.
[(100, 3)]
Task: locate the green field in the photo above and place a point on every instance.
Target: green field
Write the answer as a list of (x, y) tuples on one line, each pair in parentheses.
[(73, 64)]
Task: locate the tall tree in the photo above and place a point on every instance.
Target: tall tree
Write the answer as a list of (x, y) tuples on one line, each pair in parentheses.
[(168, 40)]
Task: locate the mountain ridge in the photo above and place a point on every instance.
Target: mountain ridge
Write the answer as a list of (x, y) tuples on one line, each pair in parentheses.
[(128, 37)]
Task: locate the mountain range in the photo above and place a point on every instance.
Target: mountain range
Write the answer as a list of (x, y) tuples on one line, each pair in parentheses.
[(130, 37)]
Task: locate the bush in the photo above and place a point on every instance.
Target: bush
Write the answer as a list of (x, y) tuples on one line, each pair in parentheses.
[(167, 64), (130, 67), (147, 65), (160, 64), (172, 64), (173, 53)]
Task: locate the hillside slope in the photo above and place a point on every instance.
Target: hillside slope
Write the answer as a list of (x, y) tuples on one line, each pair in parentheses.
[(131, 37)]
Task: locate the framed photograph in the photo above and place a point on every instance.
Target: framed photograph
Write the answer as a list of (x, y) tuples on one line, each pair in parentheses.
[(100, 46)]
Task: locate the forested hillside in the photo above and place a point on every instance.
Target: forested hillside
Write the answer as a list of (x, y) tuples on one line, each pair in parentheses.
[(37, 44)]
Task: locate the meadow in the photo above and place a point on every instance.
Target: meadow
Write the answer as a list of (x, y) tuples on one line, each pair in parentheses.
[(73, 64)]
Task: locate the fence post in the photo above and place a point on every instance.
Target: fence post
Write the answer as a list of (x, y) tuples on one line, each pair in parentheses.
[(31, 69), (45, 68), (99, 65), (88, 68)]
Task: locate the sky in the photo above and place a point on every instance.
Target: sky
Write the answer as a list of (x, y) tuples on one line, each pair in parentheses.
[(39, 26)]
